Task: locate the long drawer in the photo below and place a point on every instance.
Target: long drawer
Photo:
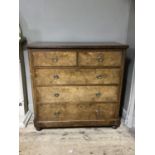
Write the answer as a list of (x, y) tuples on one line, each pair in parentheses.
[(77, 94), (69, 112), (76, 76)]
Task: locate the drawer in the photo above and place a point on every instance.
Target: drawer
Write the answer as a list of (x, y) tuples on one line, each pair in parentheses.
[(100, 58), (54, 58), (77, 76), (69, 112), (77, 94)]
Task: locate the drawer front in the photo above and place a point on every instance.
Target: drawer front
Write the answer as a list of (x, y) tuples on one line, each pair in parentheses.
[(65, 111), (54, 58), (77, 76), (100, 58), (77, 94)]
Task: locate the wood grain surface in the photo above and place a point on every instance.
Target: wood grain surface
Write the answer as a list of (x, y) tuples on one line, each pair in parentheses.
[(77, 94), (60, 76), (100, 58), (71, 112), (54, 58)]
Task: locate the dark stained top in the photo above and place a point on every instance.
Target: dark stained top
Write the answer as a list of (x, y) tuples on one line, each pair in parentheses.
[(49, 45)]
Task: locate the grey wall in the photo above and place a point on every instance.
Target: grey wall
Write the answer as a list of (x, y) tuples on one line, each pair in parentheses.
[(130, 54), (74, 20)]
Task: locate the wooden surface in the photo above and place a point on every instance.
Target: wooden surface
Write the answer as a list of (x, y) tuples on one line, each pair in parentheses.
[(78, 112), (76, 87), (90, 45), (54, 58), (100, 58), (46, 77), (77, 94)]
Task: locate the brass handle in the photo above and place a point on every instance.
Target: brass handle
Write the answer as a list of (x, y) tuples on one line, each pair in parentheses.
[(55, 59), (56, 94), (97, 113), (98, 94), (57, 113), (100, 76), (100, 59), (56, 76)]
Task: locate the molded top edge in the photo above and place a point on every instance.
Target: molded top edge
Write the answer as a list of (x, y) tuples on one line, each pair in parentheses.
[(49, 45)]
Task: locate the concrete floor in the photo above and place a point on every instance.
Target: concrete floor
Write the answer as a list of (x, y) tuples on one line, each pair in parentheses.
[(76, 141)]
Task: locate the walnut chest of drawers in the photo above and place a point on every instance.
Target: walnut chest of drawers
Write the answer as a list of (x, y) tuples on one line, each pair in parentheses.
[(76, 84)]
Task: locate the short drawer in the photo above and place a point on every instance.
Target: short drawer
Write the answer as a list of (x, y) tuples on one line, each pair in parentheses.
[(100, 58), (54, 58), (77, 94), (69, 112), (77, 76)]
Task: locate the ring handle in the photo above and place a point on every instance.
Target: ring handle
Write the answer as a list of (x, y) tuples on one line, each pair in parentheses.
[(100, 59), (55, 59), (56, 76), (99, 76), (98, 94), (57, 113), (56, 94)]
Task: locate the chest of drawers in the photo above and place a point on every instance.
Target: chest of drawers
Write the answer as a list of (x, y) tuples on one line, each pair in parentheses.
[(76, 84)]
